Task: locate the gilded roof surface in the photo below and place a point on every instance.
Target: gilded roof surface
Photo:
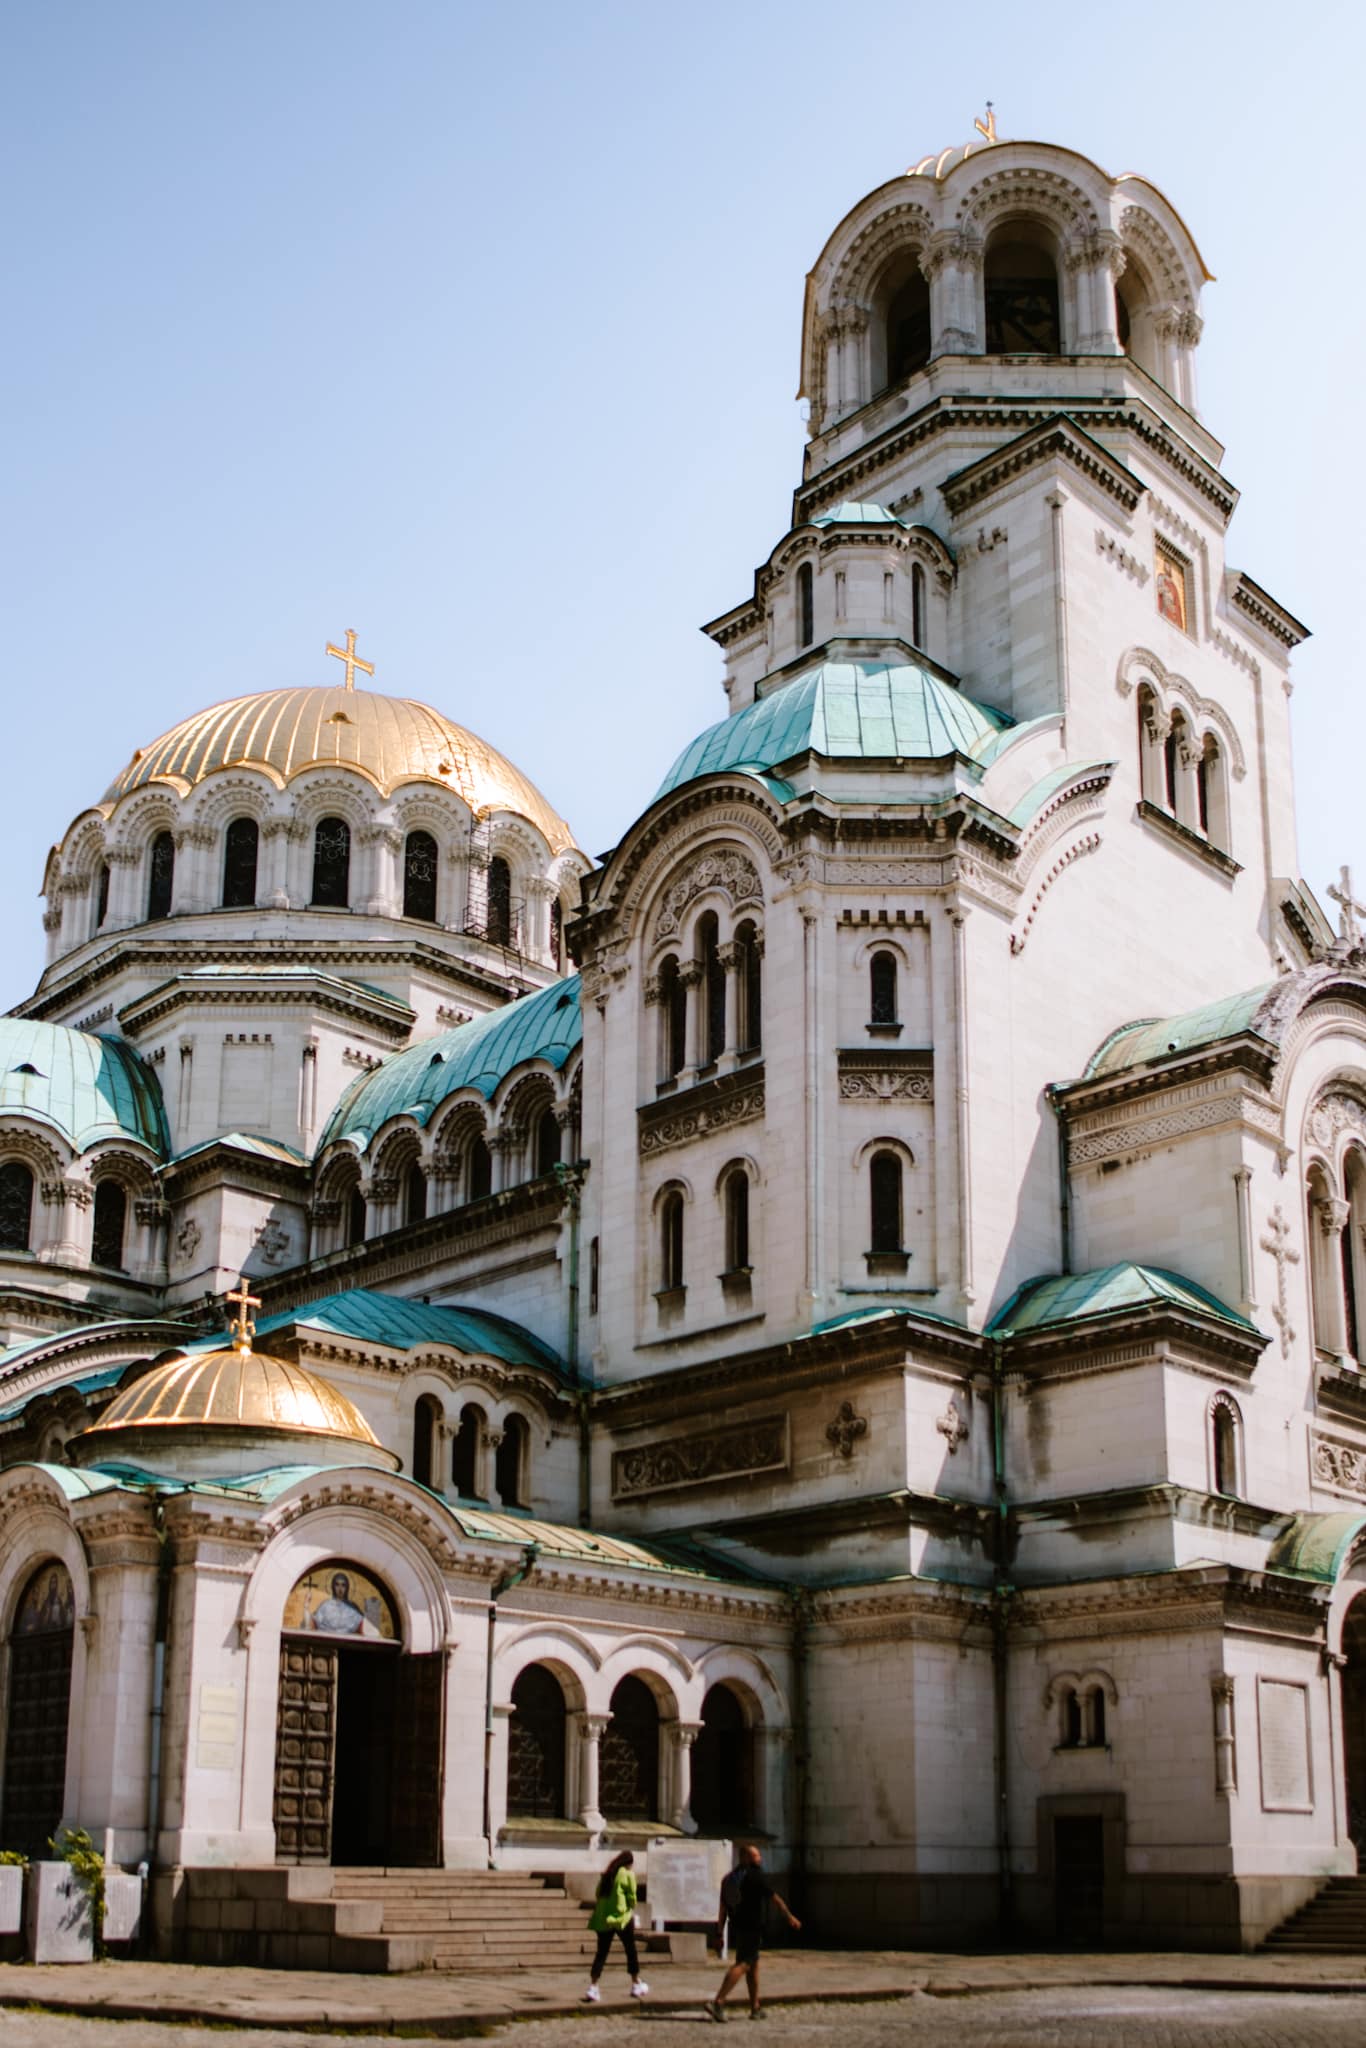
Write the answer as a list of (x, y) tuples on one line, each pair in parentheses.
[(87, 1088), (389, 739), (1108, 1291), (545, 1026), (235, 1390), (844, 710)]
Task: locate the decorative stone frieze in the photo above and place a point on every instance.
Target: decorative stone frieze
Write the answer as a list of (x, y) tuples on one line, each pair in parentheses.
[(1337, 1466), (730, 873), (719, 1105), (890, 1074), (748, 1447)]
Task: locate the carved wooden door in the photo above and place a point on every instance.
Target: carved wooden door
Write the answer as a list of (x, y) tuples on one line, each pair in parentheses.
[(35, 1741), (419, 1755), (305, 1751)]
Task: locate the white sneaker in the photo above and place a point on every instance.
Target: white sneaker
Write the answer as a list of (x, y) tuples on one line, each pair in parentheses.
[(640, 1989), (592, 1996)]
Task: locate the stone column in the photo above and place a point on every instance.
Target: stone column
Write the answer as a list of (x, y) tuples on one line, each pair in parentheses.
[(1189, 328), (1225, 1739), (682, 1736), (125, 875), (379, 894), (272, 877), (153, 1218), (1333, 1218), (453, 889), (540, 893), (692, 974), (66, 1238), (381, 1195), (730, 956), (953, 265), (592, 1728), (194, 884), (503, 1148)]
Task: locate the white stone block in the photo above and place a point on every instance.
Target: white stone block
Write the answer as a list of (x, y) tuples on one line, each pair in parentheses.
[(122, 1906), (58, 1917), (11, 1898)]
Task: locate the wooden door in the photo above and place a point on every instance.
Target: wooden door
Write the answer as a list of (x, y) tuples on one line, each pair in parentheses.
[(419, 1725), (305, 1751)]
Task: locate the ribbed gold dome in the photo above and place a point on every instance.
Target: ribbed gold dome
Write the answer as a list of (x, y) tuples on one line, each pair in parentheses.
[(389, 739), (235, 1390)]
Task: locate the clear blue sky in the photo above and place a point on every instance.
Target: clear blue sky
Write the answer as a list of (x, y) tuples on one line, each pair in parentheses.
[(476, 328)]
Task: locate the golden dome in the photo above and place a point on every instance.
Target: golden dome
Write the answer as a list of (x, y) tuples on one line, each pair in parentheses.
[(235, 1389), (390, 740)]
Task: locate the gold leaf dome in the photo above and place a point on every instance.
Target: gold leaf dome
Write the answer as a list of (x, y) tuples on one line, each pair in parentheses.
[(390, 740), (235, 1389)]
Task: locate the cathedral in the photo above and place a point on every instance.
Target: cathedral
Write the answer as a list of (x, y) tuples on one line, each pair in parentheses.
[(842, 1322)]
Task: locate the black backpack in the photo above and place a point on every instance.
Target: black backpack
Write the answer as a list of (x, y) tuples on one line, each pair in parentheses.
[(732, 1891)]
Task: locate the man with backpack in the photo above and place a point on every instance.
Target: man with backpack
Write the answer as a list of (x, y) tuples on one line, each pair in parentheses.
[(745, 1893)]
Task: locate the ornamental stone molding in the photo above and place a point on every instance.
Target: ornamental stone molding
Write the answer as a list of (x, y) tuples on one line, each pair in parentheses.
[(1078, 851), (1337, 1466), (748, 1447), (886, 1075), (273, 1242), (713, 1106), (727, 872), (1106, 544), (953, 1426), (1135, 1126), (187, 1241), (1335, 1116)]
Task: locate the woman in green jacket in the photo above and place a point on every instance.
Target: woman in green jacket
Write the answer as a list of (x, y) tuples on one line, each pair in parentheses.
[(614, 1912)]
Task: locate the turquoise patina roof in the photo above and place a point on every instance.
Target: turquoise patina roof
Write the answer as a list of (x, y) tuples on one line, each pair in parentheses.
[(1316, 1546), (546, 1026), (1109, 1291), (389, 1319), (1156, 1038), (844, 710), (852, 513), (87, 1088)]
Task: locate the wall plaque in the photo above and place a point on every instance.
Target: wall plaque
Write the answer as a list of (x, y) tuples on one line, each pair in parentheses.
[(1283, 1733)]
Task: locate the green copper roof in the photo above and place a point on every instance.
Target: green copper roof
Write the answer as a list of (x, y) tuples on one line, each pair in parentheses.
[(1110, 1291), (844, 710), (1315, 1546), (89, 1383), (850, 513), (87, 1088), (401, 1325), (481, 1054), (1155, 1038)]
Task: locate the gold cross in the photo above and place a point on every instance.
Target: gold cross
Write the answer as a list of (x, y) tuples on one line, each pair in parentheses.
[(243, 1328), (987, 128), (351, 658)]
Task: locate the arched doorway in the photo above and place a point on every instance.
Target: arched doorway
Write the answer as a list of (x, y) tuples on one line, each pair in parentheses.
[(629, 1767), (39, 1708), (723, 1766), (536, 1739), (358, 1742), (1354, 1723)]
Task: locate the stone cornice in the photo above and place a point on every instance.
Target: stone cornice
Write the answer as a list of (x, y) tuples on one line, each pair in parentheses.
[(1253, 605), (1190, 841), (1192, 1597), (1057, 439), (218, 1164), (1140, 1335), (388, 1016)]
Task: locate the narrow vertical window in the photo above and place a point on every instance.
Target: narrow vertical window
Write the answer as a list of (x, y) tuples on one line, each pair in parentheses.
[(414, 1193), (737, 1220), (102, 895), (884, 1180), (673, 1020), (714, 985), (465, 1453), (16, 1206), (594, 1273), (509, 1463), (918, 605), (557, 934), (1071, 1720), (111, 1214), (426, 1417), (419, 876), (355, 1216), (671, 1242), (332, 864), (1225, 1430), (160, 877), (546, 1147), (241, 845), (806, 605), (882, 988), (1171, 761), (500, 901), (750, 970), (480, 1174)]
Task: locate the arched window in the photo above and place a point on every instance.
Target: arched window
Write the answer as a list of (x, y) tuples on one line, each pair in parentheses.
[(414, 1193), (751, 991), (557, 934), (918, 604), (160, 877), (673, 1020), (480, 1175), (1020, 287), (806, 605), (355, 1215), (1095, 1717), (884, 1187), (536, 1746), (426, 1425), (1071, 1719), (102, 894), (332, 864), (723, 1766), (111, 1214), (629, 1761), (882, 988), (241, 846), (713, 986), (671, 1242), (510, 1462), (908, 326), (1212, 794), (16, 1206), (419, 876), (467, 1453), (546, 1150), (1354, 1251), (38, 1699), (1225, 1446), (735, 1195), (500, 901)]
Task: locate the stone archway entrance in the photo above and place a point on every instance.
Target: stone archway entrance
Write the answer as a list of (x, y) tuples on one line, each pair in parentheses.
[(359, 1729), (39, 1709), (1354, 1723), (723, 1766)]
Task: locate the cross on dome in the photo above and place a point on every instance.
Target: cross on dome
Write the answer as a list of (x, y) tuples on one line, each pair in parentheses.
[(1349, 931), (987, 129), (243, 1328), (351, 658)]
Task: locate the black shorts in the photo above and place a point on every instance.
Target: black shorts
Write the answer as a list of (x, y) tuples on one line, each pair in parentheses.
[(748, 1942)]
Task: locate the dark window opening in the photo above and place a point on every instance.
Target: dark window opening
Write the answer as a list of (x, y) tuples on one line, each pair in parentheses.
[(882, 988), (465, 1454), (1225, 1452), (737, 1220), (1097, 1730), (884, 1176), (671, 1242), (557, 934), (918, 605), (594, 1267), (1021, 290), (629, 1758), (1071, 1720), (16, 1206), (160, 877), (750, 971), (241, 848), (426, 1421), (723, 1766), (806, 605), (355, 1216), (509, 1463), (102, 895), (536, 1746), (481, 1170), (714, 985), (500, 901), (332, 864), (414, 1193), (547, 1146), (673, 999), (1171, 747), (111, 1214), (419, 876), (908, 329)]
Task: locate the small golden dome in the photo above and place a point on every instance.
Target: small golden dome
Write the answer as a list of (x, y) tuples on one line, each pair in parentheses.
[(390, 740), (235, 1389)]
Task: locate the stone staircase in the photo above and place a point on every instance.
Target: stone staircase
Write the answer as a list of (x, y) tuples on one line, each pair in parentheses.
[(1333, 1922), (476, 1919)]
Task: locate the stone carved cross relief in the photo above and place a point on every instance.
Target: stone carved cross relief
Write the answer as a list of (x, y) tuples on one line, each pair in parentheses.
[(846, 1429), (1277, 1242)]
